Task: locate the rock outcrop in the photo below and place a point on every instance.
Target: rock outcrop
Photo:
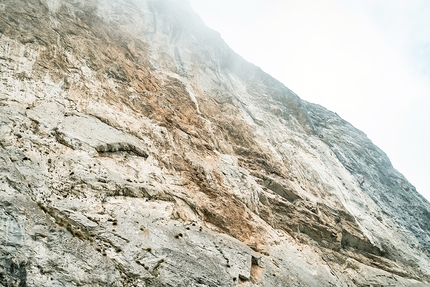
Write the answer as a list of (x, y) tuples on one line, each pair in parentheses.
[(137, 149)]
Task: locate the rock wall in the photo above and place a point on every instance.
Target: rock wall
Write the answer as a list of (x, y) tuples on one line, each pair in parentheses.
[(137, 149)]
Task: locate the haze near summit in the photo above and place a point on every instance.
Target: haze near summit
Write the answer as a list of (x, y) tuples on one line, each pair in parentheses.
[(368, 61)]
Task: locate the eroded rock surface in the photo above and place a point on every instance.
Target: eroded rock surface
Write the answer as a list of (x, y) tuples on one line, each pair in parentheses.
[(137, 149)]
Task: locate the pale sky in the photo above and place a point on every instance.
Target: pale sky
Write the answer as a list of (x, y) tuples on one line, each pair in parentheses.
[(367, 60)]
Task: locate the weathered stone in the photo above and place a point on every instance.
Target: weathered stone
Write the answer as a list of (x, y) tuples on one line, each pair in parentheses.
[(137, 149)]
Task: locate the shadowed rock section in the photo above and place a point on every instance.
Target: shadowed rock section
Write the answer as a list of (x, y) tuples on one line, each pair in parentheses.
[(137, 149), (78, 132)]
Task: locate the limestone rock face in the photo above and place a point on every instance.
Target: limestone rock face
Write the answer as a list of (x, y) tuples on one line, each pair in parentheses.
[(137, 149)]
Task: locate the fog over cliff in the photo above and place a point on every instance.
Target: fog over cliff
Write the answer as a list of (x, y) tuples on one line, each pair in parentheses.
[(137, 149), (366, 60)]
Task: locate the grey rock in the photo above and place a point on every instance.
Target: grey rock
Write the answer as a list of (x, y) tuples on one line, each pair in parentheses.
[(137, 149)]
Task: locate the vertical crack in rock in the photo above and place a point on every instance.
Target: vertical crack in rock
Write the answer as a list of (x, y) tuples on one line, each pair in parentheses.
[(138, 149)]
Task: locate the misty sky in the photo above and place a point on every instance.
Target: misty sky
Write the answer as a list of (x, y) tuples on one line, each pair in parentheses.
[(367, 60)]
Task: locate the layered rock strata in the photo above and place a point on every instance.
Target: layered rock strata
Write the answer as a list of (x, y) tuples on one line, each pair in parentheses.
[(137, 149)]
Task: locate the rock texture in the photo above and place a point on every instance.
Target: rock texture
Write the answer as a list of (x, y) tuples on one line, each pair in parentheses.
[(137, 149)]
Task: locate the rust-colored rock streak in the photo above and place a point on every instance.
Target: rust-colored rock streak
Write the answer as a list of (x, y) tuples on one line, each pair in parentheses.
[(137, 149)]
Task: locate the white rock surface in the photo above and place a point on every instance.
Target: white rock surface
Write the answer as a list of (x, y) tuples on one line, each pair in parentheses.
[(137, 149)]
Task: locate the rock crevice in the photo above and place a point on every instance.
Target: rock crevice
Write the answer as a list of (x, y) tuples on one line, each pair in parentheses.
[(137, 149)]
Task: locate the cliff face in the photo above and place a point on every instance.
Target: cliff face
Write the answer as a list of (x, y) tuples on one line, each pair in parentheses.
[(137, 149)]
